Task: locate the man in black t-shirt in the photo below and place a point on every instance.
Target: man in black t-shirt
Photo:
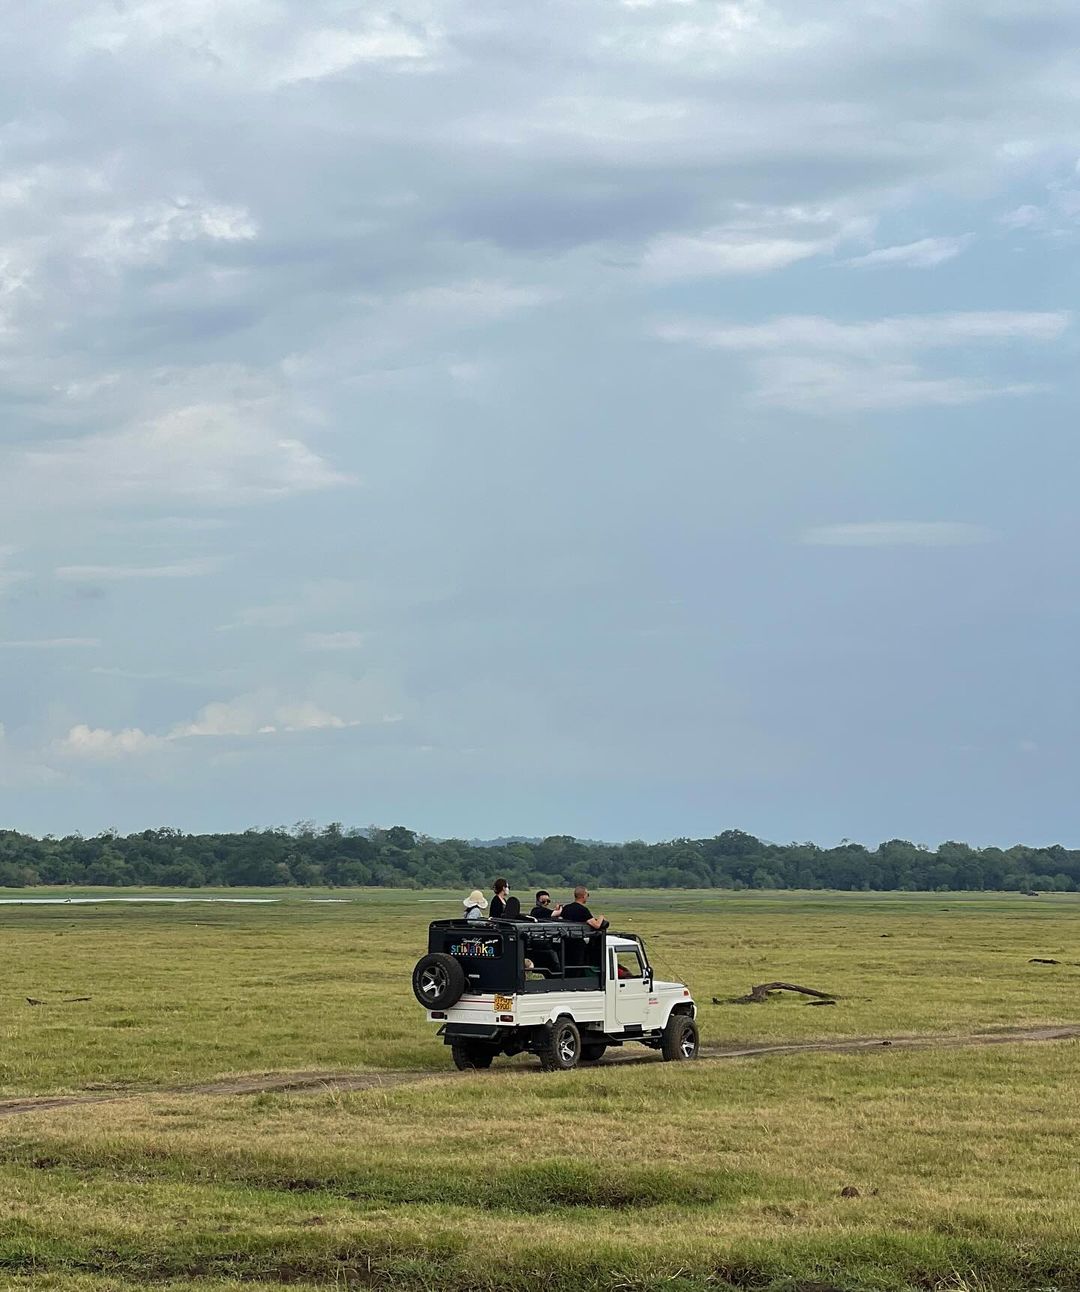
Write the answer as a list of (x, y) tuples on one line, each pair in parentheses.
[(543, 909), (578, 913)]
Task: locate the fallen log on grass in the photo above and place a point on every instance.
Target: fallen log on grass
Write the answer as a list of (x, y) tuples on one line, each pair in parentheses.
[(764, 990)]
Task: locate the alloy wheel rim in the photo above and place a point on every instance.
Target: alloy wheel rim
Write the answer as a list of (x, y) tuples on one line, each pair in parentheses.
[(567, 1048), (689, 1045), (431, 984)]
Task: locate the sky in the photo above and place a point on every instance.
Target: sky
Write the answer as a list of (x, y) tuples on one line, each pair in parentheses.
[(619, 418)]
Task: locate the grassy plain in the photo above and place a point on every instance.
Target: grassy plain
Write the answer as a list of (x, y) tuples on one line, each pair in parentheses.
[(707, 1175)]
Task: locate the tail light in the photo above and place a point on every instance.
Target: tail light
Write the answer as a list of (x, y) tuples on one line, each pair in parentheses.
[(438, 1013)]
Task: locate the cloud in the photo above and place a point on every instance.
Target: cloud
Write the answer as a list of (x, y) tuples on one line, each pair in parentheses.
[(402, 337), (141, 675), (8, 576), (96, 744), (51, 643), (753, 241), (893, 533), (261, 46), (146, 234), (330, 51), (271, 616), (96, 231), (1024, 217), (14, 282), (333, 641), (246, 716), (309, 717), (141, 25), (1056, 215), (188, 569), (675, 256), (225, 453), (809, 384), (333, 703), (927, 253), (808, 332), (476, 301), (315, 598), (808, 363), (22, 769), (720, 35)]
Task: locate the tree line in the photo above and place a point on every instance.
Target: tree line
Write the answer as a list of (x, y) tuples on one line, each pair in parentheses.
[(307, 855)]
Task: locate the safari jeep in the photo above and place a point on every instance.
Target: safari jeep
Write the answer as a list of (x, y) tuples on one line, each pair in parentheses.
[(564, 992)]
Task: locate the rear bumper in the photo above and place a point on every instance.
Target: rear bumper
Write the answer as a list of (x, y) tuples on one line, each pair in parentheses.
[(472, 1010), (451, 1032)]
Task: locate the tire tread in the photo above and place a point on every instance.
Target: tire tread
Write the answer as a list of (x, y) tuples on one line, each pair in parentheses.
[(677, 1026)]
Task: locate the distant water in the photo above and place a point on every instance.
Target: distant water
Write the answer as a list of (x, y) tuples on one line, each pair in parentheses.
[(86, 901)]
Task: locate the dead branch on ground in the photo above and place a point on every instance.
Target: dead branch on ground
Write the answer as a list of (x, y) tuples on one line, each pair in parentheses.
[(764, 990)]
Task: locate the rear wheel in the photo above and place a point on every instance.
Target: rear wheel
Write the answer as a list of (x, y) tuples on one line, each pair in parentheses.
[(470, 1055), (593, 1051), (438, 980), (680, 1038), (560, 1048)]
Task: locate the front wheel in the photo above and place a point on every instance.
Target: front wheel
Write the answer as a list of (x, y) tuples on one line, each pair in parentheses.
[(469, 1056), (593, 1051), (560, 1048), (680, 1040)]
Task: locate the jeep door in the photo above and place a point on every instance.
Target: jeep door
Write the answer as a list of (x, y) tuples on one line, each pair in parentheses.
[(627, 971)]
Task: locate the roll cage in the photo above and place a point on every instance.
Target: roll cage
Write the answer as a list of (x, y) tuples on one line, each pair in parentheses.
[(562, 957)]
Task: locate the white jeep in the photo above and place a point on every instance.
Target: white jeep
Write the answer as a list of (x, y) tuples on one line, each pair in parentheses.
[(561, 991)]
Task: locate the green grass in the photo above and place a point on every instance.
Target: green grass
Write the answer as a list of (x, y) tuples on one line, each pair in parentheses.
[(678, 1176), (184, 994), (731, 1173)]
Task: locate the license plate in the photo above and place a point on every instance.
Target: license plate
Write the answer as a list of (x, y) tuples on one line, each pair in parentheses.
[(503, 1003)]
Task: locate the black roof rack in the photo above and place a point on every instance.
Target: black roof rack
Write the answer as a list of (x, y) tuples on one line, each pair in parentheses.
[(567, 929)]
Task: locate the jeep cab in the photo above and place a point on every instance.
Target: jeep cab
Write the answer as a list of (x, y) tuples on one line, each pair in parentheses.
[(564, 992)]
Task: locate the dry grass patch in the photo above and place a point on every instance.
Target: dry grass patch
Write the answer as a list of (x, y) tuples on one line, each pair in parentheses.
[(958, 1163)]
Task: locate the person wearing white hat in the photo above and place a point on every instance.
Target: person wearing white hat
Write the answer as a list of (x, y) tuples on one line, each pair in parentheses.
[(474, 905)]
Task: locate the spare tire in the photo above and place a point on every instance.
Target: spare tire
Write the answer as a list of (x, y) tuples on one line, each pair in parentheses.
[(438, 980)]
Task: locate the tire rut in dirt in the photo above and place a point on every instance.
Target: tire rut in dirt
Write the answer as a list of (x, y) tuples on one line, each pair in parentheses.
[(312, 1082)]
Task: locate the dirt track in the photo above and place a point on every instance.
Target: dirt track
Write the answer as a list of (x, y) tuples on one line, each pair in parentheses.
[(312, 1081)]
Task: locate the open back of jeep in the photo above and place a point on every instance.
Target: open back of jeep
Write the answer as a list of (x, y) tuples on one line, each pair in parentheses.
[(565, 992)]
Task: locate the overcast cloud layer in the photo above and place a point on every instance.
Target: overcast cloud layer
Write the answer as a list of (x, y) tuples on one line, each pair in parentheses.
[(619, 419)]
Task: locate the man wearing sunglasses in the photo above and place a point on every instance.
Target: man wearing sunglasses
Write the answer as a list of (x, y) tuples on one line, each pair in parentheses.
[(543, 910)]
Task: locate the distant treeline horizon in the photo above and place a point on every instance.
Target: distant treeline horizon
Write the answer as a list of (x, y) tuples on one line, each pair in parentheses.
[(307, 855)]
